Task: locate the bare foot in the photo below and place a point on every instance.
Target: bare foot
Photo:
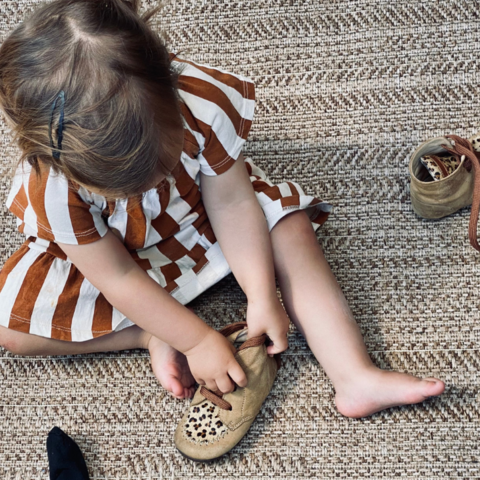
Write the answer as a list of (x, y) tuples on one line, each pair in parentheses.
[(171, 368), (379, 389)]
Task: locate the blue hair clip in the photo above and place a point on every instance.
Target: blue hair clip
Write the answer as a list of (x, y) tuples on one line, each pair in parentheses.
[(56, 149)]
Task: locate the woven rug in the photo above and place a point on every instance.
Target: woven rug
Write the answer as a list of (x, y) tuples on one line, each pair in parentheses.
[(346, 91)]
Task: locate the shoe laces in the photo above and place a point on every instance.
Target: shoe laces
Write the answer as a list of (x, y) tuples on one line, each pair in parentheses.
[(463, 147), (216, 396)]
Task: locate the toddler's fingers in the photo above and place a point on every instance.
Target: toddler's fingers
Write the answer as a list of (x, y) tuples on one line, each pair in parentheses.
[(211, 385), (225, 385), (272, 350), (238, 375), (279, 345)]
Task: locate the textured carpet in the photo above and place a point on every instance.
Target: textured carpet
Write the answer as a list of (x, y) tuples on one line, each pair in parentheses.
[(346, 90)]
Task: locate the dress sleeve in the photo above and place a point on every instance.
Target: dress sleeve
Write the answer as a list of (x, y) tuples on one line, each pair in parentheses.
[(220, 108), (52, 208)]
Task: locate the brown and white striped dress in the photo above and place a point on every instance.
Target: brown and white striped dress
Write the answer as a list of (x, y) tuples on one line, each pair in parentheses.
[(166, 229)]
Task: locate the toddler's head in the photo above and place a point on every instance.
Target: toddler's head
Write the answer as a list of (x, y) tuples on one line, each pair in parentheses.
[(121, 125)]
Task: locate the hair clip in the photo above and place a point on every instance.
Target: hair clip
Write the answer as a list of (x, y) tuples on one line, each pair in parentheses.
[(56, 150)]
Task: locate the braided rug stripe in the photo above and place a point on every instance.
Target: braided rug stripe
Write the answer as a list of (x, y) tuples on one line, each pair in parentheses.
[(346, 91)]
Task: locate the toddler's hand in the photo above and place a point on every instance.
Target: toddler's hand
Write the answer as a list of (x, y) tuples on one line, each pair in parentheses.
[(213, 364), (268, 316)]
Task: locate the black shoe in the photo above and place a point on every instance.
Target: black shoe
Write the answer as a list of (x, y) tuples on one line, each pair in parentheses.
[(65, 458)]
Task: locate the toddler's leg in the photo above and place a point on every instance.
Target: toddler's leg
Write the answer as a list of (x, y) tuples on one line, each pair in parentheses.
[(169, 365), (315, 303), (34, 345)]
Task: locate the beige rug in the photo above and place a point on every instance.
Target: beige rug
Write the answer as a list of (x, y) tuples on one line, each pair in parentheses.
[(346, 90)]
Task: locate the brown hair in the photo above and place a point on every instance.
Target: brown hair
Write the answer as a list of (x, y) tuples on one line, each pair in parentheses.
[(121, 103)]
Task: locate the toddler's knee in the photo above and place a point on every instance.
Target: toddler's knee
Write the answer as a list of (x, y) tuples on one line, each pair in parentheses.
[(297, 223)]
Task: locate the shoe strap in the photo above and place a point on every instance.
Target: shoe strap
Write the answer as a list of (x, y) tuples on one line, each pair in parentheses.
[(232, 328), (251, 342), (464, 147), (216, 396)]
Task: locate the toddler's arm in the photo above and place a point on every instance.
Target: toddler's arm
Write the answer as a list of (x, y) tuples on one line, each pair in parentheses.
[(241, 229), (109, 267)]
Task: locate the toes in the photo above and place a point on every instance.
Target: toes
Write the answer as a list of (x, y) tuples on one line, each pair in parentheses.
[(187, 392), (178, 390), (433, 387), (175, 387)]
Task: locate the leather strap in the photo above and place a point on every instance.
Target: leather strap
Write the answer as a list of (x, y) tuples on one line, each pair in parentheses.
[(464, 147)]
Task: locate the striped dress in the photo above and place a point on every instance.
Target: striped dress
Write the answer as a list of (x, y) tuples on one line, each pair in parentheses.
[(166, 229)]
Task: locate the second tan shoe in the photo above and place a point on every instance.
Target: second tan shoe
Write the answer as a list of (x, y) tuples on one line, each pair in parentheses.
[(216, 422), (436, 199)]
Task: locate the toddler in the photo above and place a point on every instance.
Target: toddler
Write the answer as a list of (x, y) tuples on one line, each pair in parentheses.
[(134, 197)]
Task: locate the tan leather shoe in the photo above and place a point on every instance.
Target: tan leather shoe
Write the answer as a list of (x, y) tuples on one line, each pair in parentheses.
[(437, 199), (214, 422)]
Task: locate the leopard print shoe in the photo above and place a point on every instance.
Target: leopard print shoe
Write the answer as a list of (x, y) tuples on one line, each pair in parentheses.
[(216, 422), (445, 177)]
